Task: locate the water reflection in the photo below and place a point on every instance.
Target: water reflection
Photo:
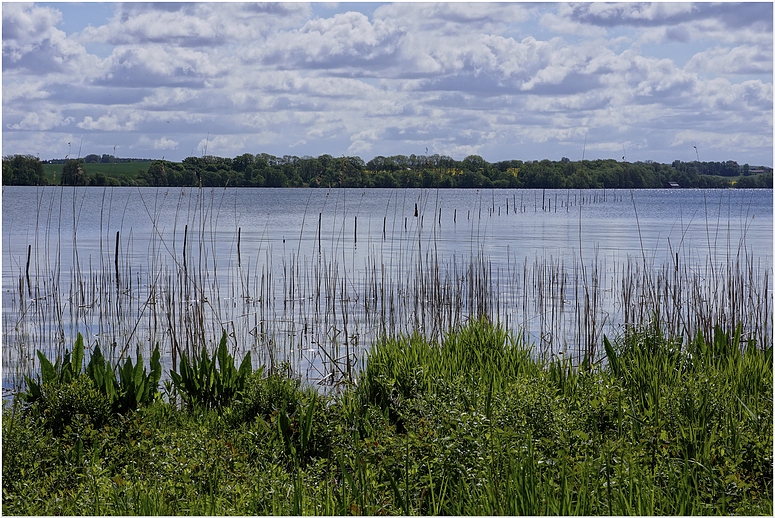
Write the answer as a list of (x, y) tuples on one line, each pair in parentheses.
[(312, 277)]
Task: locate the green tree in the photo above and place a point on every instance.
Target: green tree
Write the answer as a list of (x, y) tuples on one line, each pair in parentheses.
[(156, 175), (384, 179), (245, 164), (275, 178), (73, 174), (475, 163), (471, 180), (8, 176), (99, 179), (23, 170)]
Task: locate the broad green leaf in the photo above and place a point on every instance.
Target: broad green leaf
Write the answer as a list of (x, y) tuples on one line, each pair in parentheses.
[(223, 353), (33, 390), (246, 367), (96, 363), (77, 360), (177, 381), (140, 389), (613, 359), (111, 384), (155, 369), (67, 373), (126, 372), (284, 427), (396, 492), (139, 372), (47, 370)]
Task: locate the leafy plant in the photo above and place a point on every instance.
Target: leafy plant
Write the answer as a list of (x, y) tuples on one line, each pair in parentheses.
[(288, 429), (485, 439), (76, 405), (133, 387), (201, 383), (63, 372)]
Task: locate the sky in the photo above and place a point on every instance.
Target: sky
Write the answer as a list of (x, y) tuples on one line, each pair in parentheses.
[(521, 81)]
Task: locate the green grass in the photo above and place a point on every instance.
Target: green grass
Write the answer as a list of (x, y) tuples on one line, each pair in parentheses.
[(472, 425)]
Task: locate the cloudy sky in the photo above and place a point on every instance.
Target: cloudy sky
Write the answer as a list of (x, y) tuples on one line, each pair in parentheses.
[(505, 81)]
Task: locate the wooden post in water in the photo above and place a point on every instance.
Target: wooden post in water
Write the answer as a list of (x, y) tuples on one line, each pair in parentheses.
[(355, 231), (239, 258), (384, 220), (115, 259), (185, 238), (320, 219), (29, 286)]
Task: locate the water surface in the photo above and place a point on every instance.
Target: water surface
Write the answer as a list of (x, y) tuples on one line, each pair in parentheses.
[(314, 276)]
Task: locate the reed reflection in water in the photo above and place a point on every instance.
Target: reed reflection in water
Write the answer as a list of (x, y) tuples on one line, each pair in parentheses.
[(310, 278)]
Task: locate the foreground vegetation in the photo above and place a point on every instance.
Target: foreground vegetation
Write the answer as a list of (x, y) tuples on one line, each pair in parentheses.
[(264, 170), (473, 425)]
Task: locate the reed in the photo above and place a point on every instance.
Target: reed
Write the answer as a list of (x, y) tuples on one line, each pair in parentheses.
[(320, 304)]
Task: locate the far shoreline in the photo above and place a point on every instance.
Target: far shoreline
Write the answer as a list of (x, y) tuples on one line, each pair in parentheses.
[(399, 171)]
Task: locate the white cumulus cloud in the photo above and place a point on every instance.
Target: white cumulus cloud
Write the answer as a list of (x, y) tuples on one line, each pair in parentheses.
[(508, 80), (41, 120), (744, 59)]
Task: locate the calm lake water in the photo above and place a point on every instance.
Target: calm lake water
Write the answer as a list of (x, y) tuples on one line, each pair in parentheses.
[(312, 277)]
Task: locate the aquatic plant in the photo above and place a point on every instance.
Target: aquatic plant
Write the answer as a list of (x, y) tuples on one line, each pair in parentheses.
[(133, 387), (318, 304), (203, 384)]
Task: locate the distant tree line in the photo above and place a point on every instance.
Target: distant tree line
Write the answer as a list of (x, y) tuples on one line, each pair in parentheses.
[(104, 159), (429, 171)]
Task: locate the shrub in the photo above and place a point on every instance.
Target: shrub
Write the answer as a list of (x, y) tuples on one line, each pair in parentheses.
[(134, 386), (77, 404), (296, 416), (60, 373), (200, 383)]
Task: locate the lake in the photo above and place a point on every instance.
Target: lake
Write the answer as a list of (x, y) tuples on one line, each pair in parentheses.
[(307, 279)]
